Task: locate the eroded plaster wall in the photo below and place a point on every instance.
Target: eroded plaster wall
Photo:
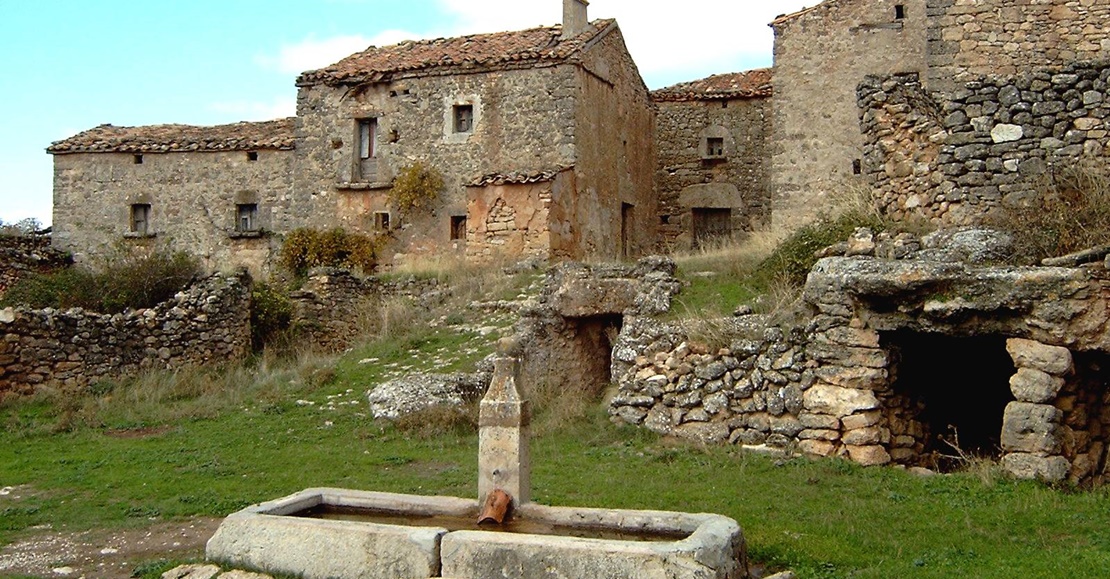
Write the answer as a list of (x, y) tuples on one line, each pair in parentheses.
[(192, 197), (687, 176), (820, 56)]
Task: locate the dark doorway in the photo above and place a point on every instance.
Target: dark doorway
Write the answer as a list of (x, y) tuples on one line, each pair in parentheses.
[(626, 229), (593, 341), (711, 223), (958, 389)]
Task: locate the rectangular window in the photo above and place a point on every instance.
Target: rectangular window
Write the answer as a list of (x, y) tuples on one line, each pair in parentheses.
[(252, 155), (857, 167), (246, 217), (714, 147), (367, 138), (381, 220), (140, 218), (464, 118), (458, 227), (137, 159), (899, 11)]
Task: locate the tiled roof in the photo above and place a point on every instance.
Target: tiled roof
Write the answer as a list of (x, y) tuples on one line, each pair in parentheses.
[(515, 178), (475, 52), (751, 84), (244, 136)]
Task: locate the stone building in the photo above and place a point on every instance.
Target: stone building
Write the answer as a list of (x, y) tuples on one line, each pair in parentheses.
[(213, 191), (821, 54), (544, 139), (712, 166)]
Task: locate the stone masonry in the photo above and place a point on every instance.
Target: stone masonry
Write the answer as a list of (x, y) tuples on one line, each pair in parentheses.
[(22, 255), (955, 159), (207, 323)]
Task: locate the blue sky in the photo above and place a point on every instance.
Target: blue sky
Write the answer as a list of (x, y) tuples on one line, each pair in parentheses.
[(69, 65)]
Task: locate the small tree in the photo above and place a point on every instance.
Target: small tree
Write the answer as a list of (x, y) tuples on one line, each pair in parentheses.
[(416, 185)]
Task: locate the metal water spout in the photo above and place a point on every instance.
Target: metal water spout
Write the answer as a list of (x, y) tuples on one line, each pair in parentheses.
[(504, 464)]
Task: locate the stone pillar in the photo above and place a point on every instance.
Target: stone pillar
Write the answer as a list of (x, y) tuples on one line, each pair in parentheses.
[(1032, 442), (503, 458)]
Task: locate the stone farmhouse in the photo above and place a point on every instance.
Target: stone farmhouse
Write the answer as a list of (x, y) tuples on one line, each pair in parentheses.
[(543, 138), (552, 147)]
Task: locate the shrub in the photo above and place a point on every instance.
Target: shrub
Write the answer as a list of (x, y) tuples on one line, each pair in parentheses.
[(306, 248), (26, 226), (792, 260), (1071, 212), (271, 314), (416, 185), (121, 282)]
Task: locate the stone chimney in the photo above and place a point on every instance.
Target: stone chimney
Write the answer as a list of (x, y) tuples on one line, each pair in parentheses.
[(575, 20)]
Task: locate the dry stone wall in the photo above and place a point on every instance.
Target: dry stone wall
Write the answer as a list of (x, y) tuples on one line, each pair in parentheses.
[(954, 159), (974, 37), (22, 255), (207, 323)]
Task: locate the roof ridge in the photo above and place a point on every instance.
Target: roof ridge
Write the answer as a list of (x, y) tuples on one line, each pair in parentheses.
[(178, 137)]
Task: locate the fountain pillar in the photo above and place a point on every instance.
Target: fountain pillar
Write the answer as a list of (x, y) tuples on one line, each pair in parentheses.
[(503, 459)]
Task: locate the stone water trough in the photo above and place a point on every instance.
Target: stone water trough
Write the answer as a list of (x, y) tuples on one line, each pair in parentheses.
[(330, 533)]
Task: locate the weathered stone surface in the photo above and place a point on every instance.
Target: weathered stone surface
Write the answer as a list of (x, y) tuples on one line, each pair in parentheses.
[(1030, 385), (1030, 466), (871, 455), (1055, 360), (1004, 133), (238, 574), (703, 432), (837, 401), (195, 571), (817, 447), (1033, 428), (416, 392)]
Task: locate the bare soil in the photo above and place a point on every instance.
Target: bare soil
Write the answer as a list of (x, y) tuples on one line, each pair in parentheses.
[(103, 554)]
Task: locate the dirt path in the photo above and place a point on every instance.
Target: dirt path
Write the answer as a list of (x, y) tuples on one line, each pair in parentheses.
[(103, 554)]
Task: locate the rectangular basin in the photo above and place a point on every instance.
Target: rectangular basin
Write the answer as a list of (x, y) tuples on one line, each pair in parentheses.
[(279, 537)]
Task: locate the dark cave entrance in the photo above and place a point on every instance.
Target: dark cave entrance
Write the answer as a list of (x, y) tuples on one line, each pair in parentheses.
[(954, 391), (594, 337)]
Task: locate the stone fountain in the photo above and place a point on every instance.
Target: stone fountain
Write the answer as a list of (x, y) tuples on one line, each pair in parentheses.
[(327, 533)]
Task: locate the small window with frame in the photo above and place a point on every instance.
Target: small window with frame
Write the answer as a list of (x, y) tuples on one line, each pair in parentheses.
[(464, 118), (899, 11), (246, 217), (140, 219), (367, 138), (381, 220), (714, 147)]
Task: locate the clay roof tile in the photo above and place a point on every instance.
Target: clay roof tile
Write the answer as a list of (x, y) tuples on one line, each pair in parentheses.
[(243, 136), (749, 84)]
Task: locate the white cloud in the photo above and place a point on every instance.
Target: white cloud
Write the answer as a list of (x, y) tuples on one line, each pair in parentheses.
[(255, 110), (312, 53)]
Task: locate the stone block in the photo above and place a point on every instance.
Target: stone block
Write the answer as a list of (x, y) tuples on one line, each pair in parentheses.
[(869, 455), (817, 447), (810, 420), (860, 377), (1029, 466), (1031, 428), (837, 401), (861, 420), (703, 432), (866, 436), (1030, 385), (1055, 360)]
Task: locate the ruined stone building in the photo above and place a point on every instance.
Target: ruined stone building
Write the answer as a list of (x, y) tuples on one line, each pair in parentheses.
[(544, 139), (712, 168)]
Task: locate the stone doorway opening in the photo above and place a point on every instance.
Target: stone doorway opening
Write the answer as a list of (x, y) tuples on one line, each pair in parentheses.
[(593, 341), (951, 394)]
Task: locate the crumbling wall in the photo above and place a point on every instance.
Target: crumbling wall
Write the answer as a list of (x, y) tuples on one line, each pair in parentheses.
[(22, 255), (955, 158), (207, 323)]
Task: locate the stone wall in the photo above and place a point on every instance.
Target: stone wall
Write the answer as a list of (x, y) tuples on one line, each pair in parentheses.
[(193, 198), (954, 158), (821, 54), (970, 38), (335, 307), (687, 177), (205, 324), (22, 255), (511, 219)]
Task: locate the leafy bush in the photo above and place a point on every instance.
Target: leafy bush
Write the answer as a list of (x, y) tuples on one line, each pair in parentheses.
[(792, 260), (1071, 212), (26, 226), (271, 314), (416, 185), (306, 248), (122, 282)]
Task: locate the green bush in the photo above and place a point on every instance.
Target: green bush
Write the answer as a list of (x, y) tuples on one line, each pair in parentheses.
[(792, 260), (416, 185), (122, 282), (271, 314), (306, 248)]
